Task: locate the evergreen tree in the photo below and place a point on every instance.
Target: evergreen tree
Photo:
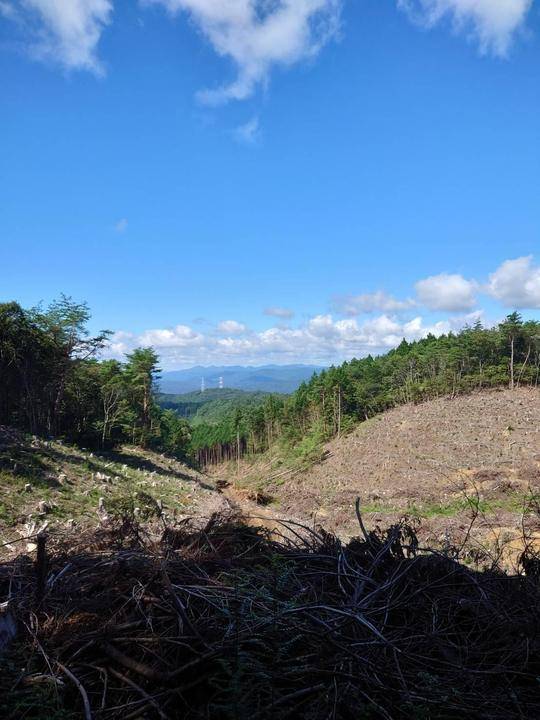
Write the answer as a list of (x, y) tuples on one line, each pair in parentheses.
[(511, 330), (141, 372)]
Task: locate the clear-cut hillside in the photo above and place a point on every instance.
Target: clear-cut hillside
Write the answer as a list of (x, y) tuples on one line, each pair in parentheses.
[(435, 460)]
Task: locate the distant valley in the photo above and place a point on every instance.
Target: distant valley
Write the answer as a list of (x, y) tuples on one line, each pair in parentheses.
[(211, 405)]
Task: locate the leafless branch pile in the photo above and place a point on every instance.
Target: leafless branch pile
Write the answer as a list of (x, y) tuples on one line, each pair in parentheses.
[(233, 623)]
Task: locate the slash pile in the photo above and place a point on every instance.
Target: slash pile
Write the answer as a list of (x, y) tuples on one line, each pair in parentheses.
[(231, 622)]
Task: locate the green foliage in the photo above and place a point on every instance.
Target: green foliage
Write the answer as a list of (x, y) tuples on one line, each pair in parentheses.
[(141, 373), (52, 384), (175, 433), (40, 353), (212, 405), (333, 401), (310, 448)]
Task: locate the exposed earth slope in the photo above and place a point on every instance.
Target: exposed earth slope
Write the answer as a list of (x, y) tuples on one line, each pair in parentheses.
[(439, 460)]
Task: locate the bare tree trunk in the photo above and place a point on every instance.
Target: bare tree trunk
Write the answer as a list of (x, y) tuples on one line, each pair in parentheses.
[(523, 366), (512, 363), (104, 433), (237, 454), (339, 413)]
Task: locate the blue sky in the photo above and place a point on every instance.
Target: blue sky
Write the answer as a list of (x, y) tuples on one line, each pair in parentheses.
[(253, 181)]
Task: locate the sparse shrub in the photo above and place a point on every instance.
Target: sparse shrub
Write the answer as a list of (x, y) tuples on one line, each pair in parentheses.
[(310, 449)]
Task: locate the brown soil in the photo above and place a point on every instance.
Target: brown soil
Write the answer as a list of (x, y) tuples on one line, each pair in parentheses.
[(436, 460)]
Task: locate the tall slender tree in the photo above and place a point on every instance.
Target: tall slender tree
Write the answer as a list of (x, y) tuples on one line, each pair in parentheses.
[(142, 372), (511, 329)]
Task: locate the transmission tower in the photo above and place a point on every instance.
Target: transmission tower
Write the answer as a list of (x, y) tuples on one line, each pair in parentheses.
[(203, 386), (220, 383)]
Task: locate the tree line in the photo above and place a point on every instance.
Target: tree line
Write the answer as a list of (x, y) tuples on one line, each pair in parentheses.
[(334, 400), (53, 384)]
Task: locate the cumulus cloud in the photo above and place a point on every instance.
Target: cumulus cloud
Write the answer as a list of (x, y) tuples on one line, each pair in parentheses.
[(324, 339), (371, 302), (232, 327), (452, 293), (181, 336), (516, 283), (493, 23), (321, 340), (66, 32), (258, 35), (279, 312)]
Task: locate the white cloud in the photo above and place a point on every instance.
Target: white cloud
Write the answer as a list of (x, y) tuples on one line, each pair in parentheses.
[(258, 35), (321, 340), (458, 322), (66, 32), (248, 134), (121, 226), (371, 302), (232, 327), (279, 312), (182, 336), (516, 283), (452, 293), (493, 23)]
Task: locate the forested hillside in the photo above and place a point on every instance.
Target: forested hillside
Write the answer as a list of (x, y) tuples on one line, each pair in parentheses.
[(333, 401), (53, 384), (148, 601), (210, 405)]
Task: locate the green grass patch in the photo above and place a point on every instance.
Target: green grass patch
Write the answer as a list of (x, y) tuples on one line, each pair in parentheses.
[(513, 503)]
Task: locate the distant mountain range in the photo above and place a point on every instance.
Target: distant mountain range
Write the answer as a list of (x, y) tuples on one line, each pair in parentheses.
[(266, 378)]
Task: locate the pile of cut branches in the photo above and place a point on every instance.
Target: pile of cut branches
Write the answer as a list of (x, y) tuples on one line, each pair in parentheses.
[(230, 622)]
